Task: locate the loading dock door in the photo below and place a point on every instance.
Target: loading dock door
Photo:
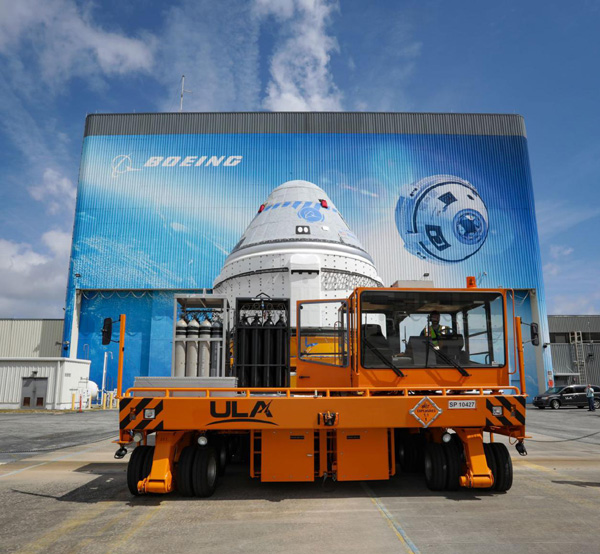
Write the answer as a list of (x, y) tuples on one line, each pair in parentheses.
[(34, 392)]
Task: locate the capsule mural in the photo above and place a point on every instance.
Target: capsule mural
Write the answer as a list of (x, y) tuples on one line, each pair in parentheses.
[(442, 219), (171, 203)]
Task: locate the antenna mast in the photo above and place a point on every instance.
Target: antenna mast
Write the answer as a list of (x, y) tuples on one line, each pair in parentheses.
[(182, 91)]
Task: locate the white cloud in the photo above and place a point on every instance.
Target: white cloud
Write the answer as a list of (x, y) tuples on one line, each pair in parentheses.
[(551, 269), (33, 282), (215, 45), (379, 82), (555, 218), (559, 252), (575, 304), (64, 42), (301, 79), (56, 191)]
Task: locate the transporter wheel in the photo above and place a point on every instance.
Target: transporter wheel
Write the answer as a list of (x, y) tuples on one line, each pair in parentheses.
[(504, 465), (491, 462), (454, 464), (222, 451), (409, 453), (555, 404), (136, 468), (205, 471), (148, 461), (436, 467), (184, 470), (597, 404)]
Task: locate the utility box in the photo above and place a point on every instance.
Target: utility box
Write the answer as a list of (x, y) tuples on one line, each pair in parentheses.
[(288, 455), (363, 454)]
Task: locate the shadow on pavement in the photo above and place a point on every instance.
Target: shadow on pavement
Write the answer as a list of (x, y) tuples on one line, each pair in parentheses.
[(110, 484), (578, 483)]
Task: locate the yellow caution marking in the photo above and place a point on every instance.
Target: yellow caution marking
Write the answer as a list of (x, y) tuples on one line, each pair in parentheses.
[(408, 545), (56, 533), (141, 522)]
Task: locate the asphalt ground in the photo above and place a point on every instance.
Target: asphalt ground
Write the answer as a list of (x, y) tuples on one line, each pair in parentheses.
[(75, 499)]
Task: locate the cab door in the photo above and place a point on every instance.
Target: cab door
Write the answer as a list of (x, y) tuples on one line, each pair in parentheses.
[(568, 397), (579, 398), (322, 347)]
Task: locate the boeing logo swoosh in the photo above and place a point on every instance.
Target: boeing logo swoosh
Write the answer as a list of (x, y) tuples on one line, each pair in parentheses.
[(122, 164)]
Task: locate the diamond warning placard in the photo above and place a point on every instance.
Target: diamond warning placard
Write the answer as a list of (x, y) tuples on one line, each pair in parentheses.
[(426, 411)]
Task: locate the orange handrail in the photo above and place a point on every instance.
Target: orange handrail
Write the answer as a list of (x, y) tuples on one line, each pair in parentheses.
[(366, 391)]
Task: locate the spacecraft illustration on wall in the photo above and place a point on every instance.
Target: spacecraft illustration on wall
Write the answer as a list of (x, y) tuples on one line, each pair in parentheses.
[(298, 246), (442, 219)]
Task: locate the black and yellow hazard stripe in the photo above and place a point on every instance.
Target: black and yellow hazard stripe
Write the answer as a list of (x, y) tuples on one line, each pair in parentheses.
[(131, 414), (513, 411)]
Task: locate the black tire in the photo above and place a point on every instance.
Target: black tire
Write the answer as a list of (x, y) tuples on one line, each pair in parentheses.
[(205, 471), (597, 404), (408, 454), (135, 469), (405, 456), (491, 462), (420, 443), (436, 467), (149, 458), (184, 470), (222, 451), (504, 465), (580, 407), (555, 404), (454, 464)]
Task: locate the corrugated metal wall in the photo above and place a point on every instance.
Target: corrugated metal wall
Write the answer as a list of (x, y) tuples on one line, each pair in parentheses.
[(563, 360), (28, 338), (11, 378), (569, 323), (564, 355), (304, 122), (143, 224), (65, 377)]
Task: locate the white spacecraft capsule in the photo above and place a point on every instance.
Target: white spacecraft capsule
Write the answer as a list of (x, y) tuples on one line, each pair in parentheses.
[(442, 219), (298, 246)]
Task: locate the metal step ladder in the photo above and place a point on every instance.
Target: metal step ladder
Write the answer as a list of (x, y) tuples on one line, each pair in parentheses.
[(576, 340)]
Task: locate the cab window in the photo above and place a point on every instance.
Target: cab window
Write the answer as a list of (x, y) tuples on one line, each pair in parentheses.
[(422, 329)]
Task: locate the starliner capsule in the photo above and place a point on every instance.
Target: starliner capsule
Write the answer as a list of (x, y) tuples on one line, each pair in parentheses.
[(298, 246)]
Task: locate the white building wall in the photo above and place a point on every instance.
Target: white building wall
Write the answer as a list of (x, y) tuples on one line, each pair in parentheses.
[(65, 377)]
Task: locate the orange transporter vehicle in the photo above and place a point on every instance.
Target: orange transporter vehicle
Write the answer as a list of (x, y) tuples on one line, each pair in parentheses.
[(386, 377)]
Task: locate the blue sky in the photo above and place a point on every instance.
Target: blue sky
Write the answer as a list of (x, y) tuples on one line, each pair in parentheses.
[(63, 59)]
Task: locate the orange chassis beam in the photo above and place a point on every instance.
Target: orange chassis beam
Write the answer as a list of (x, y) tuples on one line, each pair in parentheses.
[(175, 414), (252, 409)]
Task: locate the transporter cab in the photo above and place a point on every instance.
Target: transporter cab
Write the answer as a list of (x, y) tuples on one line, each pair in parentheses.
[(387, 378)]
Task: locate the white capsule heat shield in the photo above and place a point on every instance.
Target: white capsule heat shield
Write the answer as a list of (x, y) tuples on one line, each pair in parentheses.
[(442, 219)]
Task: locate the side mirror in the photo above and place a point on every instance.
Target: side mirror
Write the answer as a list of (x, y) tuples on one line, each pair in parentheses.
[(535, 334), (107, 331)]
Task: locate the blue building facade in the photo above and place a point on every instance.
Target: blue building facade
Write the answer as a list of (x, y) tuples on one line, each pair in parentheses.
[(163, 199)]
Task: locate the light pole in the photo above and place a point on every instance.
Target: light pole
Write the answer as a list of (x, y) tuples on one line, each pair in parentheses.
[(104, 370)]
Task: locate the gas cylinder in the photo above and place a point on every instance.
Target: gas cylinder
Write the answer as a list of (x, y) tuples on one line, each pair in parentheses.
[(269, 369), (216, 347), (256, 352), (180, 333), (204, 355), (280, 354), (241, 354), (191, 358)]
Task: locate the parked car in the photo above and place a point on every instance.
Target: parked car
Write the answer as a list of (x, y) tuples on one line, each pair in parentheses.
[(571, 395)]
